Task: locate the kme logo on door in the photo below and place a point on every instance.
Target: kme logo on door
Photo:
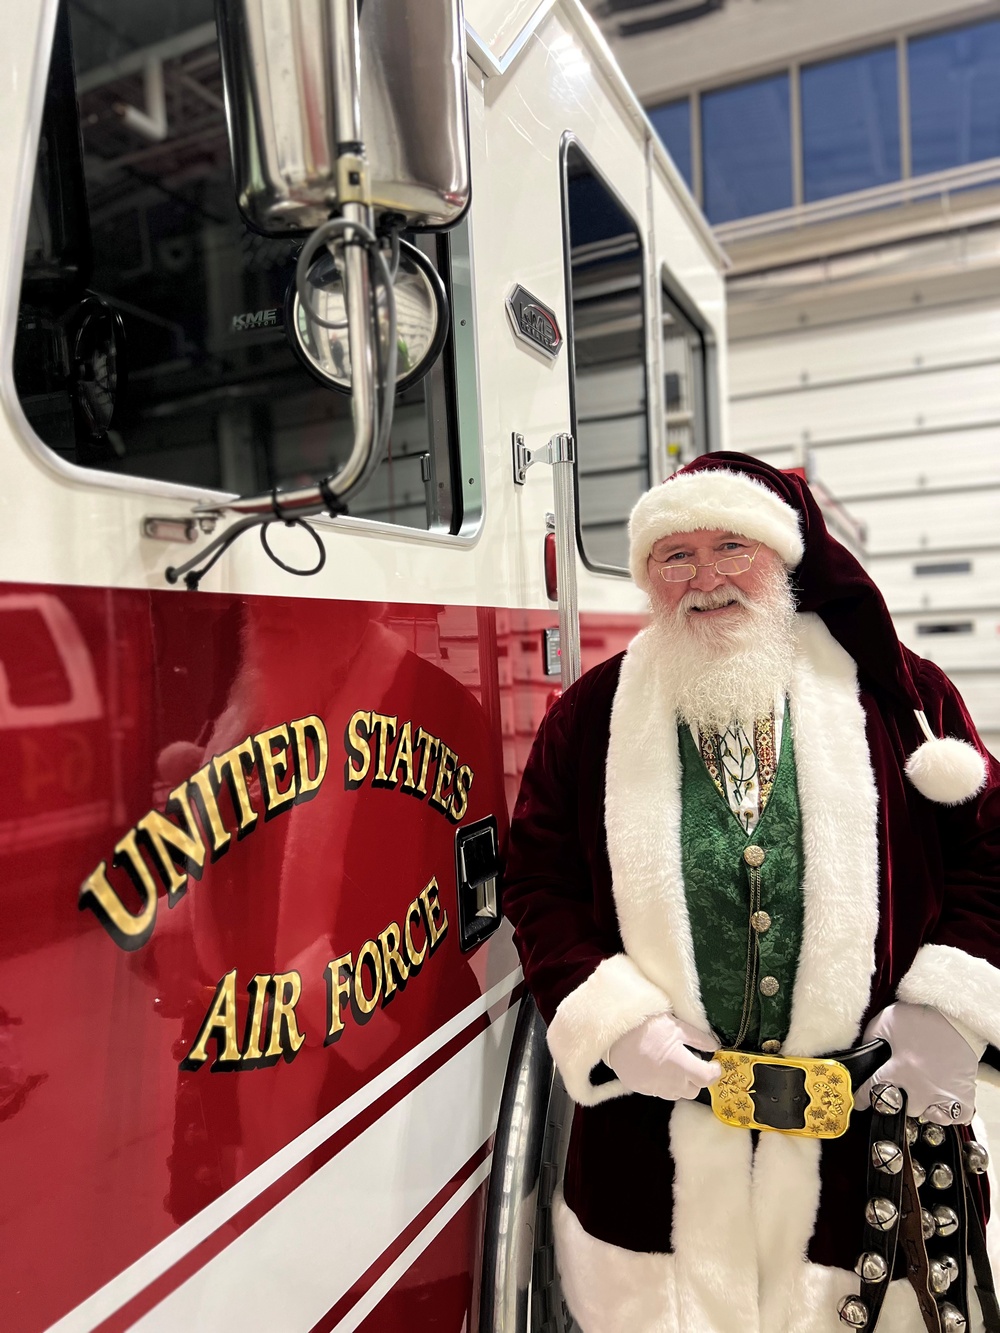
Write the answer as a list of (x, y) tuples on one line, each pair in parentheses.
[(255, 319), (533, 321)]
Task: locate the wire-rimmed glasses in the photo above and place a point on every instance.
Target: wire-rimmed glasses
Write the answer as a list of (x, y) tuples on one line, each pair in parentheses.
[(730, 564)]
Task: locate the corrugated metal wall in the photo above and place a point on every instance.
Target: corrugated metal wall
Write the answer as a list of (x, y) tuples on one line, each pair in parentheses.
[(888, 387)]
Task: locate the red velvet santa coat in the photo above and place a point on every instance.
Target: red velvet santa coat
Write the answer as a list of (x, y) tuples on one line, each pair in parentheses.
[(672, 1221)]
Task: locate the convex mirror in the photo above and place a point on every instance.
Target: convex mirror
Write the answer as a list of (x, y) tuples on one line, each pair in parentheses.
[(421, 320)]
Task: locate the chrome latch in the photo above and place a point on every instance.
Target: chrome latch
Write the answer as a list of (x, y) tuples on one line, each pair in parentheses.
[(178, 529), (560, 449)]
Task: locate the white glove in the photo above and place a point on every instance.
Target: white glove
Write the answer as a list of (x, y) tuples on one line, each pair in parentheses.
[(931, 1061), (651, 1059)]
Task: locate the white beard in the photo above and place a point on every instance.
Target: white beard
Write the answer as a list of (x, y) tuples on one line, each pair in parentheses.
[(728, 672)]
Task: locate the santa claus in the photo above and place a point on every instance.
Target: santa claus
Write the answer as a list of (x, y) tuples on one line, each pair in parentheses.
[(765, 835)]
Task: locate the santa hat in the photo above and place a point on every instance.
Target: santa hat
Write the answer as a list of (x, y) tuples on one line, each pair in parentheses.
[(743, 495)]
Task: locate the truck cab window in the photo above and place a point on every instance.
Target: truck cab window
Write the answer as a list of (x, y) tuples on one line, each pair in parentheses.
[(609, 399), (685, 388), (151, 331)]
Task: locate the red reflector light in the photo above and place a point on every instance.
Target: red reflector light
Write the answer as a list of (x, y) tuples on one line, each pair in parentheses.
[(551, 578)]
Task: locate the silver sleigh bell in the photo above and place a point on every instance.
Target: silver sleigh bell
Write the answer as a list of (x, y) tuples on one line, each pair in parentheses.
[(942, 1176), (938, 1277), (881, 1213), (945, 1220), (977, 1159), (886, 1099), (950, 1264), (952, 1319), (853, 1312), (919, 1174), (872, 1267), (887, 1157), (943, 1273)]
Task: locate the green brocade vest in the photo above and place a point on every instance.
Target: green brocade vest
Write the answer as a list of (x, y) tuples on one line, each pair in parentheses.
[(743, 986)]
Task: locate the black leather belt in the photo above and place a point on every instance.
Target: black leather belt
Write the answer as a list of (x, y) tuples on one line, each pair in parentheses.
[(811, 1097)]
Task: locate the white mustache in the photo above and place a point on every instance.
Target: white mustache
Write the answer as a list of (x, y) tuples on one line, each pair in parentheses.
[(709, 601)]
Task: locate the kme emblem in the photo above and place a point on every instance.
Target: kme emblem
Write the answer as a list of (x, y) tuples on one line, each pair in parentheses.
[(534, 322)]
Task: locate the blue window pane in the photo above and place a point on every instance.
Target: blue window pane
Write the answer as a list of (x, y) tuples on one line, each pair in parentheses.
[(747, 146), (955, 97), (850, 124), (672, 123)]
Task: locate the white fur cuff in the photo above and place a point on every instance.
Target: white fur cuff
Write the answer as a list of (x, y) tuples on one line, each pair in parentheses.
[(614, 999), (959, 985)]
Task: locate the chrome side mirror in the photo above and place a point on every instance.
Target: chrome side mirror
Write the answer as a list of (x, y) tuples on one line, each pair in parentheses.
[(284, 83), (346, 147)]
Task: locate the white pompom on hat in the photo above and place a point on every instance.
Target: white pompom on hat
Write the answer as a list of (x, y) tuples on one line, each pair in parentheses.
[(944, 769), (720, 499)]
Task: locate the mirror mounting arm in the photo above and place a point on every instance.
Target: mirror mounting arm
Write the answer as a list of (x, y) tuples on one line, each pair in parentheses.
[(372, 378)]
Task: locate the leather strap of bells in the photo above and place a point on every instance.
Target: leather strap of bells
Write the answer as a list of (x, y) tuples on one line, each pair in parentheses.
[(943, 1199), (922, 1221), (888, 1164)]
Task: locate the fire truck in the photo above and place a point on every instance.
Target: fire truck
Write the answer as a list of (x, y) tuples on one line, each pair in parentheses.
[(338, 341)]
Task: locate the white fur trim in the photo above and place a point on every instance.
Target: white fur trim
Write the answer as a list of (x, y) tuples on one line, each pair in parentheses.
[(947, 770), (958, 984), (608, 1289), (839, 805), (614, 999), (715, 1249), (643, 823), (774, 1199), (714, 499), (786, 1189), (611, 1290)]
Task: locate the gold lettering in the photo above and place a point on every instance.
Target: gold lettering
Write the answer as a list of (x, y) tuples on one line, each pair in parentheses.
[(356, 743), (392, 959), (432, 911), (287, 989), (413, 914), (363, 1006), (255, 1021), (164, 834), (309, 786), (431, 746), (274, 764), (460, 799), (338, 988), (233, 760), (446, 767), (220, 1022), (404, 758), (221, 837), (127, 930), (385, 726)]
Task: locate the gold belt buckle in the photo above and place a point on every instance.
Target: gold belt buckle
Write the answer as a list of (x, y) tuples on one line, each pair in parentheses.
[(827, 1085)]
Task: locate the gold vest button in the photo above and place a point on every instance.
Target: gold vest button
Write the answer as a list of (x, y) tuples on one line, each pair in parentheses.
[(754, 856), (760, 921), (770, 1047), (769, 986)]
